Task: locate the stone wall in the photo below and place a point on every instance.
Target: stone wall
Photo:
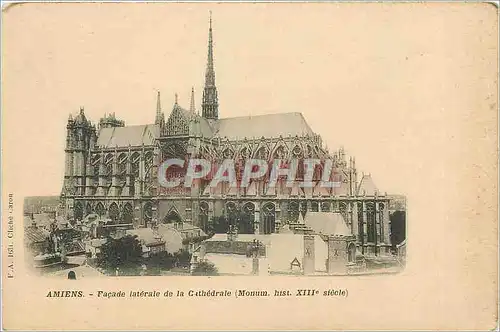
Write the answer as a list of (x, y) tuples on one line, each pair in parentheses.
[(231, 247)]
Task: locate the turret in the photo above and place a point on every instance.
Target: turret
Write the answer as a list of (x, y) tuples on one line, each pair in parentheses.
[(110, 121)]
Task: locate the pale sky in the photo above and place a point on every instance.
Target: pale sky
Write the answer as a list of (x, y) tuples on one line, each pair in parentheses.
[(387, 82)]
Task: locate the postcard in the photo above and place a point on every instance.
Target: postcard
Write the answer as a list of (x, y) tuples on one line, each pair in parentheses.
[(250, 166)]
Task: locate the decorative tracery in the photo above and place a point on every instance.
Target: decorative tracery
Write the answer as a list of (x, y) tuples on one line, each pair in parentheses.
[(269, 216), (177, 123)]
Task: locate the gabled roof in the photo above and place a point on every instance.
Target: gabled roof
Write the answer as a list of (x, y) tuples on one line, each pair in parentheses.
[(327, 223), (35, 234), (172, 238), (147, 235), (367, 186), (269, 125), (129, 135)]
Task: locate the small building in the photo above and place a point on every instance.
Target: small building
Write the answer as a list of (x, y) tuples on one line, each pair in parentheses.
[(343, 256), (189, 234), (36, 239), (151, 241), (93, 247)]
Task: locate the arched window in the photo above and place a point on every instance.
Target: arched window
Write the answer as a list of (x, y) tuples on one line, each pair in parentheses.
[(303, 208), (269, 216), (293, 212), (314, 206), (147, 212), (172, 217), (325, 207), (78, 211), (280, 152), (128, 213), (108, 169), (122, 164), (381, 208), (203, 216), (262, 153), (135, 164), (343, 210), (114, 213), (360, 223), (246, 220), (88, 209), (231, 213), (100, 209), (370, 223)]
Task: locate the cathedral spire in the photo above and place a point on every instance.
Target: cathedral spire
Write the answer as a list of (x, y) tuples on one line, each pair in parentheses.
[(191, 105), (210, 104), (158, 109)]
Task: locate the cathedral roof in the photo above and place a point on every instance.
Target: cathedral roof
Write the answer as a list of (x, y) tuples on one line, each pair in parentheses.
[(129, 135), (367, 186), (327, 223), (205, 128), (269, 125)]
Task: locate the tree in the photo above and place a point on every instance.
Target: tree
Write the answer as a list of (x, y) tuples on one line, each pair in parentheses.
[(124, 253), (182, 258), (218, 225), (196, 239), (205, 268), (159, 261), (243, 221)]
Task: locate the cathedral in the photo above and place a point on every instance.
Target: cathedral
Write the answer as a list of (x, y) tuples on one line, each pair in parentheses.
[(111, 170)]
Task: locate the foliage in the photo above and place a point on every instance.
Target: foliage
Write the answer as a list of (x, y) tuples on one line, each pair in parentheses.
[(218, 225), (205, 268), (158, 262), (182, 258), (196, 239), (244, 222), (166, 261), (162, 260), (124, 253), (221, 224)]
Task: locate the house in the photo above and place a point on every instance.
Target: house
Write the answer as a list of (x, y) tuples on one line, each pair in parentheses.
[(36, 239)]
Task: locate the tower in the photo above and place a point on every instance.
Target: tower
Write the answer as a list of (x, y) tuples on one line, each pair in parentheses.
[(80, 138), (210, 103)]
